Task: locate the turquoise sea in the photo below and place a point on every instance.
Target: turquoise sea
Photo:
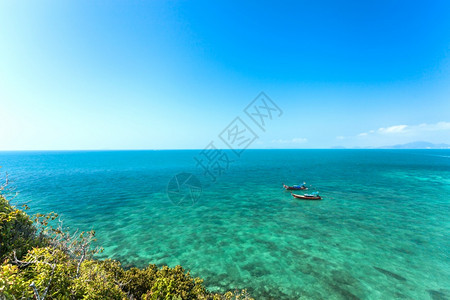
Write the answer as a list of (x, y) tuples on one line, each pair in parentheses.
[(380, 232)]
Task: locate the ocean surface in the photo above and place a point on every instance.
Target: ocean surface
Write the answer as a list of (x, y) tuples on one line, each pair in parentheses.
[(380, 232)]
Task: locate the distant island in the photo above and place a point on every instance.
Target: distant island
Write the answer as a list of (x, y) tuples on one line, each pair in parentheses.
[(412, 145), (418, 145)]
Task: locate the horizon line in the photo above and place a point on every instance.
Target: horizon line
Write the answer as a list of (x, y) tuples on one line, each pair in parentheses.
[(227, 149)]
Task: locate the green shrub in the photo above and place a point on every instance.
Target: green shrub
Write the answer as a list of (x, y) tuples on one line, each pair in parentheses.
[(173, 283), (99, 280), (11, 284), (138, 281), (17, 232), (49, 269)]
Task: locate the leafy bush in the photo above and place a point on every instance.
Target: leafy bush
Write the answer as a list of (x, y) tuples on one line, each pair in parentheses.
[(172, 283), (99, 280), (11, 285), (137, 281), (48, 269), (17, 232)]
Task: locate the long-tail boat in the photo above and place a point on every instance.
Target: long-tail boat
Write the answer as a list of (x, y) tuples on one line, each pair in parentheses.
[(312, 196), (296, 187)]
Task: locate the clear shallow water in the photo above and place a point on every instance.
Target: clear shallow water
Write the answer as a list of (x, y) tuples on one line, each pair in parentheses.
[(380, 232)]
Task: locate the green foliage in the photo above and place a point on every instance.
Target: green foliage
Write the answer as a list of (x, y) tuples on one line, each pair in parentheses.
[(99, 280), (11, 284), (172, 283), (138, 281), (17, 232), (49, 269)]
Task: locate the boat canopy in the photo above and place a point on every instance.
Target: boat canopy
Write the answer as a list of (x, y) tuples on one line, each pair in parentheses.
[(313, 194)]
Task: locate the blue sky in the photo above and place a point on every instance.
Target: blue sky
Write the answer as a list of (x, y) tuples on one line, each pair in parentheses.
[(173, 75)]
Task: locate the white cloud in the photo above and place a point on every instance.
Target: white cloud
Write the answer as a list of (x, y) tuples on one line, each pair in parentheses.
[(435, 127), (291, 141), (408, 129), (299, 140), (436, 133), (393, 129)]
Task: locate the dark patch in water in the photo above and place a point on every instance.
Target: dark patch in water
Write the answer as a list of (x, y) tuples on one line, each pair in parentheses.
[(270, 245), (343, 277), (341, 284), (343, 292), (389, 273), (437, 295), (403, 250), (274, 294), (255, 269)]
